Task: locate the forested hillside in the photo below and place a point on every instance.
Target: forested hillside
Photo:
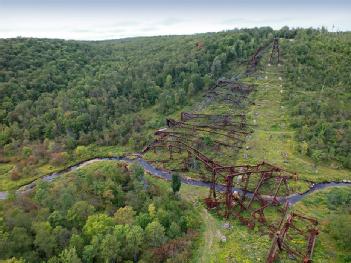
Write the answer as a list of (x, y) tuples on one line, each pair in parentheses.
[(78, 93), (63, 101), (103, 213), (318, 72), (228, 109)]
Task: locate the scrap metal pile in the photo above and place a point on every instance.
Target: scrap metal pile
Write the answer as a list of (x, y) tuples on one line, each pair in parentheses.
[(245, 192), (255, 59), (295, 224), (230, 92), (192, 130)]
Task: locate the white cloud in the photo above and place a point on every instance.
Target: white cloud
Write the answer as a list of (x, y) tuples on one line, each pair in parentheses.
[(119, 23)]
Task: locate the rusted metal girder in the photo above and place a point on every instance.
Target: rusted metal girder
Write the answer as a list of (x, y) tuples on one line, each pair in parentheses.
[(189, 137), (243, 191), (251, 182), (275, 51), (253, 178), (209, 164), (185, 116), (230, 91), (218, 120), (281, 243), (224, 127), (255, 59), (171, 123), (259, 177), (226, 124), (256, 56), (234, 86)]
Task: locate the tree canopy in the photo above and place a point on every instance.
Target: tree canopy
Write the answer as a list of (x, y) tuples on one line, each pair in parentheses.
[(74, 220), (318, 66)]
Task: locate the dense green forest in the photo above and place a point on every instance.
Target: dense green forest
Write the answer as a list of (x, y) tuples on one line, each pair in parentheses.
[(85, 92), (61, 101), (318, 72), (102, 213), (58, 95), (66, 101)]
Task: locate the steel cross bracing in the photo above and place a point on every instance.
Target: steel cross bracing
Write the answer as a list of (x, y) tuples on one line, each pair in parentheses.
[(236, 202), (255, 59), (290, 226), (275, 51), (216, 118), (228, 130), (244, 191), (255, 178), (229, 91), (189, 137)]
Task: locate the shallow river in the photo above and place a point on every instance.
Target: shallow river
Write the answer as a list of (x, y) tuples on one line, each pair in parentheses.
[(292, 199)]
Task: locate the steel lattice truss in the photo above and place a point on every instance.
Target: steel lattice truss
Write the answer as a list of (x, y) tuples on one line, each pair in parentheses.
[(187, 134), (255, 59), (245, 191), (251, 189), (230, 92), (295, 224), (275, 51)]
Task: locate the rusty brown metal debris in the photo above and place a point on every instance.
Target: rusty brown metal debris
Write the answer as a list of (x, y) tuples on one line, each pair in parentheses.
[(245, 191), (255, 59), (307, 230), (275, 51)]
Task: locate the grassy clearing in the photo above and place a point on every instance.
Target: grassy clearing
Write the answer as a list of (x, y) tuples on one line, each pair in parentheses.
[(273, 139), (5, 168), (244, 245)]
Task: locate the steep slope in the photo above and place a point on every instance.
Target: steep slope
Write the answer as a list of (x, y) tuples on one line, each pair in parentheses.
[(80, 90), (276, 138), (273, 140), (318, 94), (59, 95)]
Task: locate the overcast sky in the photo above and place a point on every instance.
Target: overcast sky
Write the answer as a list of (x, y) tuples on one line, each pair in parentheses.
[(96, 20)]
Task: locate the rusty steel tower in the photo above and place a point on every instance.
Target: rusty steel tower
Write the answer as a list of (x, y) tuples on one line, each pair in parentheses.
[(275, 50)]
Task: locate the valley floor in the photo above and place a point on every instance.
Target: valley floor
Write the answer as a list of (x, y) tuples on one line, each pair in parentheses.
[(273, 141)]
